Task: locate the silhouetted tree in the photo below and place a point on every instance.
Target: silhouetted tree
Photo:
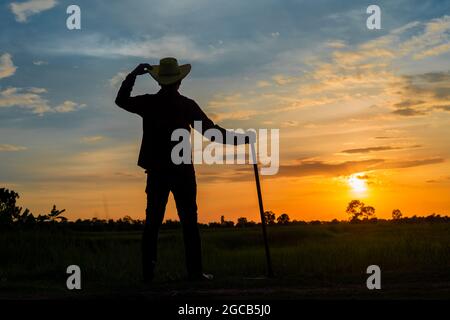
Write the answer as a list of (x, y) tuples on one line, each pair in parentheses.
[(299, 222), (127, 220), (214, 225), (357, 210), (9, 212), (368, 212), (354, 209), (283, 219), (269, 216), (251, 223), (25, 218), (172, 224), (241, 222), (225, 223), (55, 215), (8, 209), (396, 214)]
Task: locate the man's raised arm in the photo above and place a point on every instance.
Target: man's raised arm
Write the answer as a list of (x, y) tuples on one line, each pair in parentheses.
[(124, 99)]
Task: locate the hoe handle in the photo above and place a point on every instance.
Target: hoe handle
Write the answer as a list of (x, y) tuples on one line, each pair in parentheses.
[(261, 211)]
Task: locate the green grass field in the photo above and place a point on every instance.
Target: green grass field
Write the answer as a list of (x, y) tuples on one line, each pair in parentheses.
[(310, 261)]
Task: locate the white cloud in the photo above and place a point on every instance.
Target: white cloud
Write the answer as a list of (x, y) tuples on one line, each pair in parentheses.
[(31, 99), (434, 39), (336, 44), (11, 148), (23, 10), (24, 98), (117, 79), (367, 70), (68, 106), (40, 63), (7, 67), (37, 90), (148, 48), (275, 34), (434, 51)]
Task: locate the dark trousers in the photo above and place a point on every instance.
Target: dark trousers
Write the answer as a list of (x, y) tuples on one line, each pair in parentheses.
[(179, 180)]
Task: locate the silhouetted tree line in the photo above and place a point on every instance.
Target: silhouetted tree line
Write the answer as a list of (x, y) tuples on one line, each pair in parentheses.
[(12, 216)]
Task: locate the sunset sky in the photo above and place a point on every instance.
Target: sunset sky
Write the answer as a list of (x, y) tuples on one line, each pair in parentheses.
[(363, 114)]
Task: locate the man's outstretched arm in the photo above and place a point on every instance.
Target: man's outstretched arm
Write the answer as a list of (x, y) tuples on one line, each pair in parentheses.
[(124, 99), (229, 137)]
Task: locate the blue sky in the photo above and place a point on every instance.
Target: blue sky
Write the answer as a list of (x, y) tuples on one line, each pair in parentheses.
[(255, 64)]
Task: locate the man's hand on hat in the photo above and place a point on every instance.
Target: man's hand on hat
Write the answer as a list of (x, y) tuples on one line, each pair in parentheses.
[(250, 137), (141, 69)]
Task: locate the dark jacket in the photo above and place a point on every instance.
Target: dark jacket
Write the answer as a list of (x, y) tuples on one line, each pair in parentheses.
[(162, 113)]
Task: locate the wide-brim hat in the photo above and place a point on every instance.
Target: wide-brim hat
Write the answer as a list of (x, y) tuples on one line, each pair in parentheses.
[(168, 71)]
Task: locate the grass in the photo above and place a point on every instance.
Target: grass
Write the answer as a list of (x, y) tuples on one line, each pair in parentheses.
[(309, 260)]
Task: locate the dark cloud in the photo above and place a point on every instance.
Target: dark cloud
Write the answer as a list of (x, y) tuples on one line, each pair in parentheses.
[(349, 167), (374, 149), (320, 168), (430, 91), (442, 108), (409, 112), (438, 180), (370, 149), (408, 103), (302, 169), (431, 77), (411, 163), (310, 168)]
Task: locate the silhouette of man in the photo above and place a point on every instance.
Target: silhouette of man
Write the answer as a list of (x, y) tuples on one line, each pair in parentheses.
[(162, 113)]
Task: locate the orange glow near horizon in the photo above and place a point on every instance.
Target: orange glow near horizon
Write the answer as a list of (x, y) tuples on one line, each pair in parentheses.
[(308, 198)]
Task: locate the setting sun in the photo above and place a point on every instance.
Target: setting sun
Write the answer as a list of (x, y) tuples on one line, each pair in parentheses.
[(357, 183)]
